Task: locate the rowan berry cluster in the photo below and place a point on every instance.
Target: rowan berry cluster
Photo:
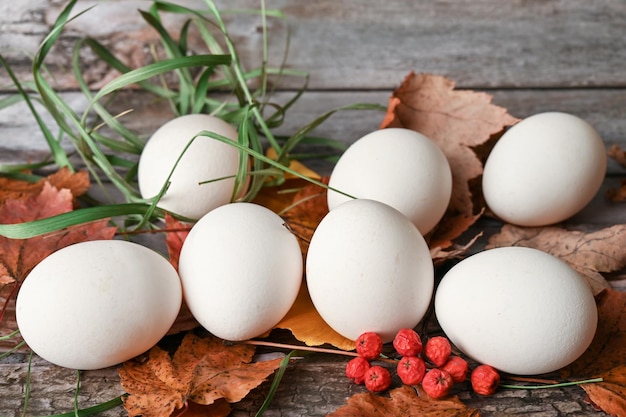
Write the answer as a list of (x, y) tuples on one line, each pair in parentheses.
[(432, 365)]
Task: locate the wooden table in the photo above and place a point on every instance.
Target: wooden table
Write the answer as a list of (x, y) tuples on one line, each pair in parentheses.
[(532, 56)]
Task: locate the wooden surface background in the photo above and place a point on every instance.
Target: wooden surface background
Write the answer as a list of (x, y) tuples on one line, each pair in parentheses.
[(531, 55)]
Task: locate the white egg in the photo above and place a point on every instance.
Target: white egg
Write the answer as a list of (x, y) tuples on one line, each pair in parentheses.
[(399, 167), (544, 169), (189, 194), (518, 309), (368, 268), (241, 270), (96, 304)]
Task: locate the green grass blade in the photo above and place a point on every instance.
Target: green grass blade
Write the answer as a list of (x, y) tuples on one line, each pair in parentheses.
[(151, 70), (84, 215), (202, 88), (90, 411), (103, 53), (278, 376), (173, 49), (27, 385), (58, 153), (10, 100), (297, 137), (134, 144)]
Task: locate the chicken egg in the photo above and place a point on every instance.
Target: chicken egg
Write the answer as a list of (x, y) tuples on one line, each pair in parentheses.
[(95, 304), (520, 310), (544, 169), (204, 177), (368, 269), (399, 167), (241, 270)]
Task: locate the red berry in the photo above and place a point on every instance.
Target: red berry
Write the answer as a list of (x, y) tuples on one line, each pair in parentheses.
[(437, 383), (369, 345), (411, 370), (485, 380), (356, 368), (438, 350), (377, 378), (407, 342), (457, 367)]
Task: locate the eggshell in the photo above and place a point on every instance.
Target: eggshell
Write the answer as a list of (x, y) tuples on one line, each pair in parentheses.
[(544, 169), (96, 304), (517, 309), (241, 270), (399, 167), (368, 269), (206, 159)]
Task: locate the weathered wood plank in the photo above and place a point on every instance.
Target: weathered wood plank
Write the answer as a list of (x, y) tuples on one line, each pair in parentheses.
[(531, 55), (312, 386), (21, 140), (364, 44)]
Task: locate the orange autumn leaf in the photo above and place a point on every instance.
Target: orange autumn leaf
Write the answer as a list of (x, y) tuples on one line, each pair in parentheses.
[(19, 256), (12, 189), (606, 357), (306, 324), (403, 401), (203, 370), (458, 121), (279, 198), (176, 234), (591, 253)]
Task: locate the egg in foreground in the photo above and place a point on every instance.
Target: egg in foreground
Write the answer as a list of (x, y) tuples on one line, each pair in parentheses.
[(399, 167), (241, 270), (368, 269), (544, 169), (190, 193), (98, 303), (520, 310)]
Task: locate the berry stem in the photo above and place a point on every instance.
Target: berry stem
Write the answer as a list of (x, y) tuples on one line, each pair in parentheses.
[(559, 385), (310, 349), (530, 379)]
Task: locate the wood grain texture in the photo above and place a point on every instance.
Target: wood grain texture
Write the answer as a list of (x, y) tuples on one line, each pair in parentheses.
[(22, 141), (367, 44), (531, 55)]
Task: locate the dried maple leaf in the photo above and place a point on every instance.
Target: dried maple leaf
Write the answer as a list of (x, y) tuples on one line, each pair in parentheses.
[(441, 241), (458, 121), (405, 402), (19, 256), (77, 183), (203, 370), (606, 357), (591, 254)]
